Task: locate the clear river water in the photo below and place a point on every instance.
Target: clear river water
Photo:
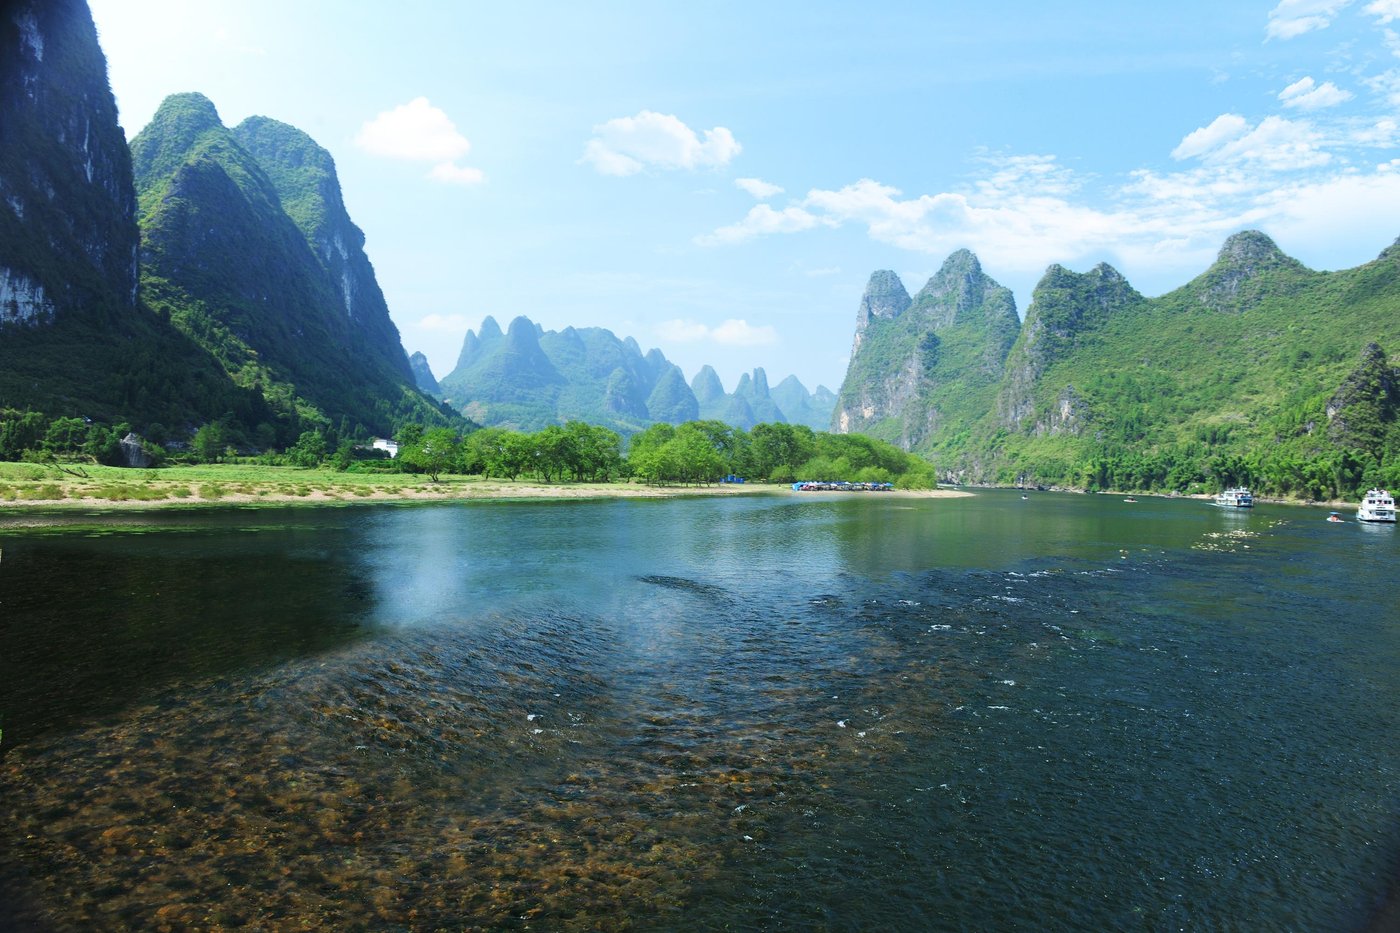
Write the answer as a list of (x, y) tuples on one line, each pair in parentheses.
[(768, 712)]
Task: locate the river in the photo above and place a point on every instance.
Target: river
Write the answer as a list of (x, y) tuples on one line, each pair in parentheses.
[(814, 712)]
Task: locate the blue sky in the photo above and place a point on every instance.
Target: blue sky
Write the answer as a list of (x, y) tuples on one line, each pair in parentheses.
[(719, 180)]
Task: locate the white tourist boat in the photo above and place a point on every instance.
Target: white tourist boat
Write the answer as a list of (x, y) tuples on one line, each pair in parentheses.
[(1377, 506), (1236, 497)]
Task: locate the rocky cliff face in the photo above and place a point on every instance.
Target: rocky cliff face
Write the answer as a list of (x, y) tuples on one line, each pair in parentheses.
[(304, 176), (930, 362), (67, 207)]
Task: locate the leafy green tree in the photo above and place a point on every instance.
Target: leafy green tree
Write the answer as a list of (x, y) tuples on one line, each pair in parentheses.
[(105, 444), (435, 453), (309, 450), (555, 451), (66, 436), (209, 442), (20, 431), (516, 454), (344, 456)]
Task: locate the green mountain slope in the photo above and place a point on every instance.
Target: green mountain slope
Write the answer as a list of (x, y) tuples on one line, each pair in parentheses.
[(223, 259)]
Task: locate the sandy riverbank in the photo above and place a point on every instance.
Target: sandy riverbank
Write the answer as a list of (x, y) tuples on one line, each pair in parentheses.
[(164, 491)]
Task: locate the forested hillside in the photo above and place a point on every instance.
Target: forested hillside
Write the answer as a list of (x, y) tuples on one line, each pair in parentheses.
[(1239, 376)]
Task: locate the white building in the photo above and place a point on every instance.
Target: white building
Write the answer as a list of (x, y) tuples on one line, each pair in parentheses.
[(391, 446)]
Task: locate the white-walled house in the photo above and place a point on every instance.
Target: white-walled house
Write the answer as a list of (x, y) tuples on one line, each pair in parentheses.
[(391, 446)]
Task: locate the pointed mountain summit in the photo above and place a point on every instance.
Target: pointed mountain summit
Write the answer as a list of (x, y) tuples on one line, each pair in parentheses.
[(672, 400), (937, 358), (1250, 267), (885, 298), (802, 407), (709, 393), (753, 389), (423, 375), (1066, 307)]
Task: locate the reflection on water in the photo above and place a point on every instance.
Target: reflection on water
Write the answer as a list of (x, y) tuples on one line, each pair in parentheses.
[(754, 713)]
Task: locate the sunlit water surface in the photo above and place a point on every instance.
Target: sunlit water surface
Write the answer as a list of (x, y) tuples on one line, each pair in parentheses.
[(771, 712)]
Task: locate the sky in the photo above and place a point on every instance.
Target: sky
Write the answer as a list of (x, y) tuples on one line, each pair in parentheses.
[(719, 180)]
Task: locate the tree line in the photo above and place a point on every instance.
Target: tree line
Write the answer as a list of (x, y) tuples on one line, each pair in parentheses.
[(696, 452), (699, 452)]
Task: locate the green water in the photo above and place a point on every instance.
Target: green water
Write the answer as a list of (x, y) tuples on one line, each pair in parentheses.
[(773, 712)]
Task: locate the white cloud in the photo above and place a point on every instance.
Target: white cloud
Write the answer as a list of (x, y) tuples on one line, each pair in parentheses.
[(1382, 133), (1222, 129), (456, 323), (1386, 11), (419, 132), (627, 145), (1293, 18), (1026, 212), (757, 187), (761, 220), (1275, 143), (733, 332), (1307, 94), (1387, 84), (680, 330), (457, 174), (740, 333), (416, 131)]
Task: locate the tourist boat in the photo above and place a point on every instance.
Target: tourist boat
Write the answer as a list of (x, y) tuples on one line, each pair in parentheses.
[(1377, 506), (1236, 497)]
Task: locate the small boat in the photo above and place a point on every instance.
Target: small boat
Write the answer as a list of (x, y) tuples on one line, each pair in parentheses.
[(1236, 497), (1130, 499), (1333, 517), (1376, 506)]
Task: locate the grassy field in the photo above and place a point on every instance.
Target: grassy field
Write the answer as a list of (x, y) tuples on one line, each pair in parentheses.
[(24, 484)]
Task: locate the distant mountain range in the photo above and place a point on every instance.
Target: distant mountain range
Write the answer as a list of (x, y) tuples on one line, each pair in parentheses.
[(527, 377), (1259, 368)]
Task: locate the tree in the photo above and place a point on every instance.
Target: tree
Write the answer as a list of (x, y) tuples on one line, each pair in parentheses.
[(517, 451), (66, 436), (309, 450), (209, 442), (434, 453)]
